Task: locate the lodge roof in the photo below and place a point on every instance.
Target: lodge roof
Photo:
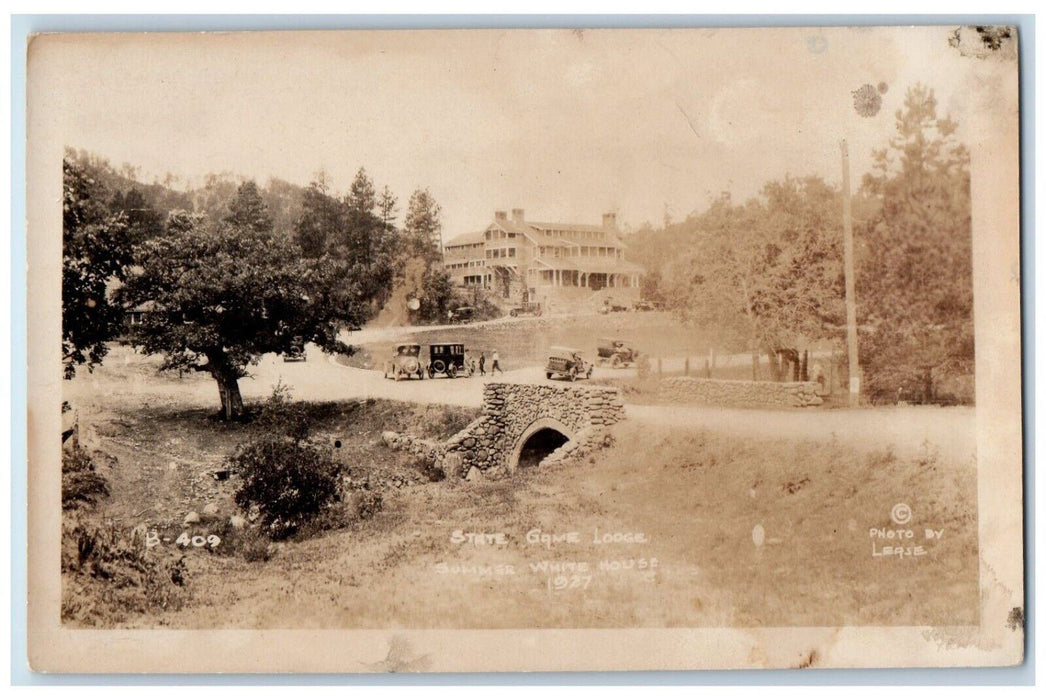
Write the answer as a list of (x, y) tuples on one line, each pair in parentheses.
[(471, 238)]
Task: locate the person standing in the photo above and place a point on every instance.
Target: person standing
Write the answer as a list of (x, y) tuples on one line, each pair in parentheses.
[(495, 365), (482, 364)]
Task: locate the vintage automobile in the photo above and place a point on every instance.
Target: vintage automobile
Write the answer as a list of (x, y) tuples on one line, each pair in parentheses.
[(566, 363), (527, 308), (449, 359), (462, 314), (406, 363), (616, 353), (296, 352)]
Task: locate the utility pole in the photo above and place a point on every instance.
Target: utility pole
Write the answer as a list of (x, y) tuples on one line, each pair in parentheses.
[(848, 263)]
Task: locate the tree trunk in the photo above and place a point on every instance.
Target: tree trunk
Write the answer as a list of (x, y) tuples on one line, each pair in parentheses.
[(228, 379), (774, 361)]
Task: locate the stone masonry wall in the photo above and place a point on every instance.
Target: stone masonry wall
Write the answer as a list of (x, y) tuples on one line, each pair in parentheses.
[(722, 392), (487, 444)]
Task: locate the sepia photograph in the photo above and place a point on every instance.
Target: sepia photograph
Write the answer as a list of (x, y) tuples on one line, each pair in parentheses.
[(525, 349)]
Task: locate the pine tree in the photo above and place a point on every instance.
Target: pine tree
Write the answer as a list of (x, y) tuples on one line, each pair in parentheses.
[(915, 273), (422, 226), (248, 210)]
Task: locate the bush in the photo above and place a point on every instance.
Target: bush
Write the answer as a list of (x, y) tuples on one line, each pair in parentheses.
[(109, 572), (280, 416), (286, 482), (81, 483)]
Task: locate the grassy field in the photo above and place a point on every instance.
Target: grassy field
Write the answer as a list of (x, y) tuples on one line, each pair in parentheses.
[(696, 497)]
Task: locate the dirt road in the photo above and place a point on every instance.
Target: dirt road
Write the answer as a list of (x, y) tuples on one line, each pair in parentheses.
[(949, 430), (909, 430)]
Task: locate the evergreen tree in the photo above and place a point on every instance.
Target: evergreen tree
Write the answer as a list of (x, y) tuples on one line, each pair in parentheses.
[(915, 268), (247, 209), (422, 226), (387, 208)]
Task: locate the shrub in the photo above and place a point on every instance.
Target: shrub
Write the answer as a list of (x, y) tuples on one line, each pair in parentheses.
[(109, 572), (286, 482), (81, 483), (280, 416)]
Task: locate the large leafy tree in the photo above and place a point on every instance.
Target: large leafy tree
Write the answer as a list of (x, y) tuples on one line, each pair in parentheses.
[(221, 299), (915, 270), (765, 275), (96, 250)]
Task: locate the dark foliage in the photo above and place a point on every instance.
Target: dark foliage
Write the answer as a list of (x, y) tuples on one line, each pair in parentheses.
[(96, 249), (286, 482), (81, 482)]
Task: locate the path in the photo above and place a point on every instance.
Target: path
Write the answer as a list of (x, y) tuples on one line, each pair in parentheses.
[(950, 430)]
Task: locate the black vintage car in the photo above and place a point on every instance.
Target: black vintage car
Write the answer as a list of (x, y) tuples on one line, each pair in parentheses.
[(527, 308), (462, 314), (296, 352), (449, 359), (406, 363)]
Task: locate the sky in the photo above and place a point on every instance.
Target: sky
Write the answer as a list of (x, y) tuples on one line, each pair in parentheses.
[(565, 124)]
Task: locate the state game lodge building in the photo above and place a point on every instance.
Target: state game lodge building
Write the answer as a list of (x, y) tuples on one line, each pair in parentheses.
[(556, 265)]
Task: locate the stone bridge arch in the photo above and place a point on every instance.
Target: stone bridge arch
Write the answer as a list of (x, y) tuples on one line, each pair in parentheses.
[(543, 423), (514, 413)]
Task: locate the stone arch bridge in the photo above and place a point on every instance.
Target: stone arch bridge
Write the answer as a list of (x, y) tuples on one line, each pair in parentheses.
[(522, 424)]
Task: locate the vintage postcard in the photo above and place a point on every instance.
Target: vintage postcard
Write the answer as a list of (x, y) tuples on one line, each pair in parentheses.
[(524, 350)]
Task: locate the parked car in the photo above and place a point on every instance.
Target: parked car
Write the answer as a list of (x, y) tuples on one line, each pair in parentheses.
[(405, 363), (296, 353), (567, 363), (611, 306), (527, 308), (462, 314), (450, 359), (616, 353)]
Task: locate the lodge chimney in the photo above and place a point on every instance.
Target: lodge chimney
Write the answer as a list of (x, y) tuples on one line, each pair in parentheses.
[(517, 215), (610, 221), (500, 216)]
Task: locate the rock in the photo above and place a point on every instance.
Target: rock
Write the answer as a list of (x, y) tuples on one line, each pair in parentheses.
[(238, 522), (191, 517)]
